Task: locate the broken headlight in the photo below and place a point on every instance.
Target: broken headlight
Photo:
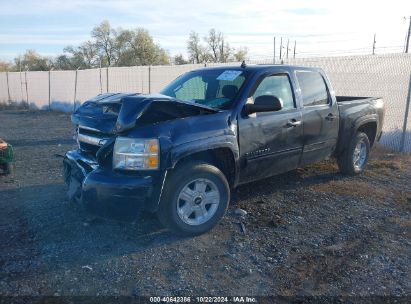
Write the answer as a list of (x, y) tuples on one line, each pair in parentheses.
[(136, 154)]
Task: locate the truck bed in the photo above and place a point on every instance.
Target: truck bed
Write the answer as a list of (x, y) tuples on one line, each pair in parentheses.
[(354, 111)]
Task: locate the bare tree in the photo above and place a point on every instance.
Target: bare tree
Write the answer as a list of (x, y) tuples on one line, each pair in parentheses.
[(105, 37), (219, 50), (194, 48), (85, 55), (215, 41)]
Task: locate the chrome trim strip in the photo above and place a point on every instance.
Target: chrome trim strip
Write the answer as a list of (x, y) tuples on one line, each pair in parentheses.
[(96, 141), (88, 128)]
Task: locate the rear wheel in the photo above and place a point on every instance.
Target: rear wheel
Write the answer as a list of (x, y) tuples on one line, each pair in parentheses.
[(354, 159), (195, 198)]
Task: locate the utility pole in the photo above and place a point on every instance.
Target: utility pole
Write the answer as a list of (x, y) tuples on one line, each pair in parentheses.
[(407, 44), (373, 46), (281, 47), (295, 44), (274, 52), (288, 42)]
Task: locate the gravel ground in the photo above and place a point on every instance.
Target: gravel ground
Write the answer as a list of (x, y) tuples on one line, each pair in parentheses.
[(308, 232)]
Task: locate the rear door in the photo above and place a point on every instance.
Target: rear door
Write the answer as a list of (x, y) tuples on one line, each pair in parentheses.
[(320, 116), (271, 142)]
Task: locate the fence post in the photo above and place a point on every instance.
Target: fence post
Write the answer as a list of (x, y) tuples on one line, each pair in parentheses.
[(149, 79), (49, 90), (407, 109), (75, 91), (8, 87), (27, 92), (21, 88), (107, 79), (101, 82)]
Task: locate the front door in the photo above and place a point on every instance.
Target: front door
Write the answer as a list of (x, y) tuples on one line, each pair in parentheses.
[(271, 142)]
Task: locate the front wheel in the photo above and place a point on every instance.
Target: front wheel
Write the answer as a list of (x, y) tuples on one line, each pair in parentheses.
[(354, 159), (194, 199)]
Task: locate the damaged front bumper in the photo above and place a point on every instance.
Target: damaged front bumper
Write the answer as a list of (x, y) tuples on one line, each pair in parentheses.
[(107, 192)]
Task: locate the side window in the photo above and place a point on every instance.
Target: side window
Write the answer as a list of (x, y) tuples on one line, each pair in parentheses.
[(313, 88), (194, 88), (277, 85)]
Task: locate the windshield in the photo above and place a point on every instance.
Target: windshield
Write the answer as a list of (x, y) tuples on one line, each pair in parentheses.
[(213, 88)]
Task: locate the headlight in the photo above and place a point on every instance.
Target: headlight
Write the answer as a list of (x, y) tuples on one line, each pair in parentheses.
[(136, 154)]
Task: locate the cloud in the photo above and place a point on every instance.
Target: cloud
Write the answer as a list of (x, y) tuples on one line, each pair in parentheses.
[(324, 25), (307, 11)]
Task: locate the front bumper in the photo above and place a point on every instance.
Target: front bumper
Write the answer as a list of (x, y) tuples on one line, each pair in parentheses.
[(107, 192)]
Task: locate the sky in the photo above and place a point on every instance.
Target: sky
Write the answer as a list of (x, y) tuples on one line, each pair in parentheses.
[(319, 27)]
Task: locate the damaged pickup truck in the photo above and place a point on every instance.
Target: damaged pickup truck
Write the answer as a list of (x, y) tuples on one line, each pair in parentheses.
[(179, 153)]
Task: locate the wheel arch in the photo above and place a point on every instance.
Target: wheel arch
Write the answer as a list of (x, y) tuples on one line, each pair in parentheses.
[(223, 157), (370, 129)]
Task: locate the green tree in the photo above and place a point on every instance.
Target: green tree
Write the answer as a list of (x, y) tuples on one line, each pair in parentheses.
[(179, 59), (240, 54), (4, 66), (137, 47), (64, 62), (32, 61)]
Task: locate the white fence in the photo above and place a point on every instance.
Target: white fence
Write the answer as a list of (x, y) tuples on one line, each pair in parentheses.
[(387, 76)]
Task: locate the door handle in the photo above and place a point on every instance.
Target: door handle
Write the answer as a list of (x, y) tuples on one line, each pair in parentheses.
[(293, 123), (330, 117)]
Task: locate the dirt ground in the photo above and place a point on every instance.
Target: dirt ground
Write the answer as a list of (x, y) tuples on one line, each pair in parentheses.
[(308, 232)]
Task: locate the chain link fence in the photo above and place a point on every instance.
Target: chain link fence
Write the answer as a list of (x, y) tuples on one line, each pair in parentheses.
[(386, 76)]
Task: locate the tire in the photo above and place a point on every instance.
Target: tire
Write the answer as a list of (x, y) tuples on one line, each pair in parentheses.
[(176, 204), (354, 159)]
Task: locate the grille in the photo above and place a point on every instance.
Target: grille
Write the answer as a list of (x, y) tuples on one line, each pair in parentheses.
[(90, 140)]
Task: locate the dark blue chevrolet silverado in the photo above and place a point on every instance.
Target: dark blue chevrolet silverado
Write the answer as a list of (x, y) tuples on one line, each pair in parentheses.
[(180, 152)]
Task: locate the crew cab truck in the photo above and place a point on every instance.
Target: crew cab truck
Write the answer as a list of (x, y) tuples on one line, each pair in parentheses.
[(180, 153)]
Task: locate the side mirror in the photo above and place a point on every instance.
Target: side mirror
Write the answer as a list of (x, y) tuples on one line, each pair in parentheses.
[(264, 103)]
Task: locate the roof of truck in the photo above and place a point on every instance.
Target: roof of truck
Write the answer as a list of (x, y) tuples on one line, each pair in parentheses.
[(259, 67)]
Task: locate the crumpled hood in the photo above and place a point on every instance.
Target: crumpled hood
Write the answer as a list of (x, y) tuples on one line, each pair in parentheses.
[(118, 112)]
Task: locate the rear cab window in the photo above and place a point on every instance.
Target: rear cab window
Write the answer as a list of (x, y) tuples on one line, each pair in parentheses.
[(314, 91)]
